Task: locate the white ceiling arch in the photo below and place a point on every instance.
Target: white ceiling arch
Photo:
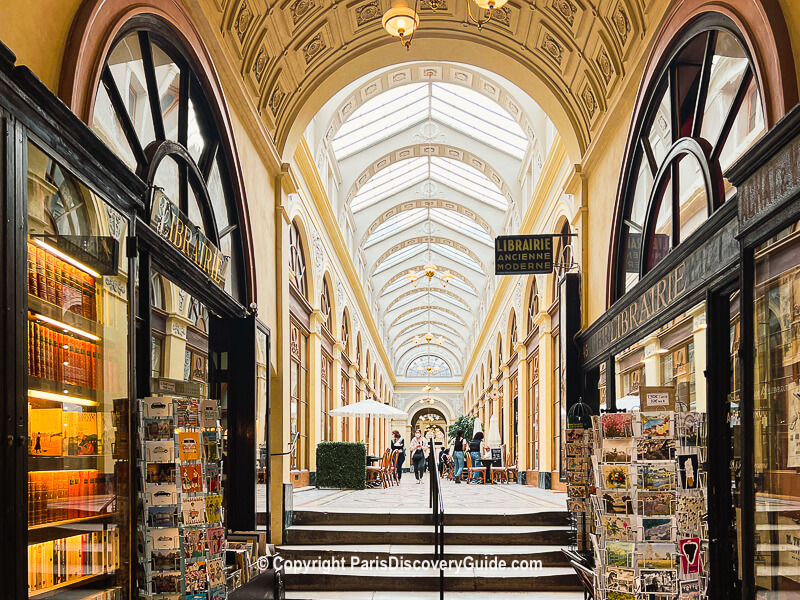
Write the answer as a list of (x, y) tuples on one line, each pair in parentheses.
[(418, 267), (423, 291), (435, 325), (434, 239), (439, 309)]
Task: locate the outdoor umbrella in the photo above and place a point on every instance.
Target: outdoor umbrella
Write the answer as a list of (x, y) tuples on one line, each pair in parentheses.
[(368, 408), (476, 427), (493, 438)]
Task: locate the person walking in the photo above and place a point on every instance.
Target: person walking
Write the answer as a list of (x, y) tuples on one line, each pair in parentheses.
[(476, 450), (419, 452), (399, 444), (457, 450)]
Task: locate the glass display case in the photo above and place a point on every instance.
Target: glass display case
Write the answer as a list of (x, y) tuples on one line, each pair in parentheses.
[(78, 389)]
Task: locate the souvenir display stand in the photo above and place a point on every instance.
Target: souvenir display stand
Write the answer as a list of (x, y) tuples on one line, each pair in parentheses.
[(578, 449), (181, 536), (650, 537)]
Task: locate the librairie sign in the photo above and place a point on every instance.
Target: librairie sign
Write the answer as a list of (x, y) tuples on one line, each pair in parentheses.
[(523, 254), (175, 227)]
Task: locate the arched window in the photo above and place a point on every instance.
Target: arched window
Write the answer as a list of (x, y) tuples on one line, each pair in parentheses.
[(513, 336), (533, 305), (345, 334), (152, 110), (701, 113), (297, 261), (325, 306)]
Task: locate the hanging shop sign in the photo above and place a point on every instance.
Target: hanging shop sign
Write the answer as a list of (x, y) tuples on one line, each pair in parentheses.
[(523, 254), (175, 227), (645, 305)]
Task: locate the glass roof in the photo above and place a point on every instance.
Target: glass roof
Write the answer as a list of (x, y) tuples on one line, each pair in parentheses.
[(398, 257), (455, 106), (396, 224), (457, 256), (464, 224), (419, 367), (390, 180), (468, 180)]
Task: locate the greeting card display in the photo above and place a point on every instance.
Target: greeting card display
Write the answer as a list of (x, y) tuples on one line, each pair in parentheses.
[(180, 533), (648, 489)]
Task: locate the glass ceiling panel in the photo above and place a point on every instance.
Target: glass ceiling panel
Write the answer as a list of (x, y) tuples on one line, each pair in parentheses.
[(419, 367), (396, 224), (450, 299), (391, 180), (459, 222), (462, 286), (457, 256), (381, 117), (467, 180), (435, 328), (395, 286), (400, 256), (403, 302)]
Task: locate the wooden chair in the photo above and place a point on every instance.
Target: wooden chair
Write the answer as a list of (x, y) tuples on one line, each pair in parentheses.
[(470, 469), (376, 473), (511, 469), (392, 474)]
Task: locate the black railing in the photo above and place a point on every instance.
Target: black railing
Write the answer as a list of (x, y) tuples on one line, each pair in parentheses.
[(437, 511)]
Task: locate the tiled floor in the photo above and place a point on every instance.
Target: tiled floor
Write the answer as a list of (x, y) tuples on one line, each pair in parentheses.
[(410, 497)]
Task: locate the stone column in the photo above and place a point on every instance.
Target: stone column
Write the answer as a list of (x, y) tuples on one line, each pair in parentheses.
[(314, 387), (352, 398), (524, 436), (508, 405), (336, 388), (547, 389)]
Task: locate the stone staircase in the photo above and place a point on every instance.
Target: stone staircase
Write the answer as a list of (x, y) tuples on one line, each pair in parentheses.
[(344, 543)]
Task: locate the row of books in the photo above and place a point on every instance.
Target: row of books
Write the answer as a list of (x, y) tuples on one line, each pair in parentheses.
[(60, 283), (61, 357), (66, 559), (57, 432), (62, 495)]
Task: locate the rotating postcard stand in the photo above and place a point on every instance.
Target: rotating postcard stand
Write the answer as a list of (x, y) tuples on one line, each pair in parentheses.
[(648, 505), (181, 541), (578, 448)]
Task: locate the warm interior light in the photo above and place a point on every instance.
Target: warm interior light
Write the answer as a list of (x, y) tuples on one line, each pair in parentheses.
[(416, 339), (428, 337), (400, 20), (447, 277), (440, 341), (66, 327), (490, 4), (63, 398), (65, 257), (430, 270)]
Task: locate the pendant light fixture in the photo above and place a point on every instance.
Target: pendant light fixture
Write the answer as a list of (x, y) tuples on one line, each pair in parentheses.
[(487, 7), (402, 21)]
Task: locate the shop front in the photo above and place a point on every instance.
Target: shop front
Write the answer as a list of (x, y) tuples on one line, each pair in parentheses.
[(701, 312), (126, 280)]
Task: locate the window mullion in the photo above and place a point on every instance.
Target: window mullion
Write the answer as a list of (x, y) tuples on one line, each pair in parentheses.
[(125, 119), (152, 85), (705, 78), (733, 112), (676, 201), (183, 109)]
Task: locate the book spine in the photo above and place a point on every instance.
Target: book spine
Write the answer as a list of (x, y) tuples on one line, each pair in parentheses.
[(41, 285), (50, 278), (58, 279), (33, 287)]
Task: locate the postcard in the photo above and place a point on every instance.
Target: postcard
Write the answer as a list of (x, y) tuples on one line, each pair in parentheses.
[(690, 555), (214, 509), (659, 581), (617, 450), (216, 572), (194, 511), (575, 435), (158, 406), (161, 494), (576, 477), (688, 467), (689, 511), (691, 586), (216, 538), (196, 579), (162, 516), (166, 582), (619, 554), (657, 503), (188, 412), (655, 449), (658, 529), (189, 445), (689, 427), (210, 445), (217, 594), (657, 475), (620, 580), (618, 503), (616, 527), (577, 449), (160, 473), (208, 413), (194, 542), (191, 479), (576, 506), (656, 424), (158, 429), (164, 539), (160, 451), (166, 560), (656, 556), (616, 476), (620, 596), (578, 491), (577, 463), (617, 425)]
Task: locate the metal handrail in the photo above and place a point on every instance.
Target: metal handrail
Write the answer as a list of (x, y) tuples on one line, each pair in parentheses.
[(437, 511)]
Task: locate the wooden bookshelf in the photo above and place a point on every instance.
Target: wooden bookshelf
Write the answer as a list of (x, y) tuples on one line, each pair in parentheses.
[(67, 584), (48, 309)]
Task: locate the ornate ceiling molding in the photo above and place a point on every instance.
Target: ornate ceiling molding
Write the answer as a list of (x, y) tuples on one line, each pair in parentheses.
[(434, 239), (417, 291), (419, 267), (456, 317)]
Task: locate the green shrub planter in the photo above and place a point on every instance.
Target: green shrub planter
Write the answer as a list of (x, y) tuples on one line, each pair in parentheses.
[(342, 465)]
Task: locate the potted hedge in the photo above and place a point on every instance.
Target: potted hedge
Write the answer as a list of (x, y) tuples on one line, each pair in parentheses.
[(342, 465)]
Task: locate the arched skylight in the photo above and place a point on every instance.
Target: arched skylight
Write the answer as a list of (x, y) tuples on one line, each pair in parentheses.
[(464, 224), (396, 224), (390, 180), (437, 365)]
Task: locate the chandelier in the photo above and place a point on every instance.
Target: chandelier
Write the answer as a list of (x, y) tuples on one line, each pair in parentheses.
[(402, 21)]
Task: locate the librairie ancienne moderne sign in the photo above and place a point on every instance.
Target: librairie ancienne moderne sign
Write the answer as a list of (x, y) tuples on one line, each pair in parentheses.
[(523, 254), (175, 227)]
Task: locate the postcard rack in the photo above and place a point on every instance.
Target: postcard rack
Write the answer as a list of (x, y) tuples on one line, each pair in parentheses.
[(579, 444), (181, 539), (648, 503)]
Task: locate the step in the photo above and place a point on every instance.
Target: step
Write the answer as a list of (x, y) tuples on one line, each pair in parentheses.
[(414, 535), (551, 579), (354, 595), (320, 517), (550, 556)]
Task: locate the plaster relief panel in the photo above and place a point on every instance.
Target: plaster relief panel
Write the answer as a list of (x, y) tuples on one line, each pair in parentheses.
[(315, 46), (401, 77), (369, 12)]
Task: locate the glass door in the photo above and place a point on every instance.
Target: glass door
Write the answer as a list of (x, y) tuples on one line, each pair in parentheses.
[(78, 410)]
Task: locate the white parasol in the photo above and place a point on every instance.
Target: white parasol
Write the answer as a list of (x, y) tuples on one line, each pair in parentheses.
[(493, 438), (369, 408), (476, 427)]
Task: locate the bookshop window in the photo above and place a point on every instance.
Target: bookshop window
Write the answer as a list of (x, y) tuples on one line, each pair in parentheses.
[(703, 111), (298, 387), (327, 401), (78, 387), (533, 410), (777, 414)]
